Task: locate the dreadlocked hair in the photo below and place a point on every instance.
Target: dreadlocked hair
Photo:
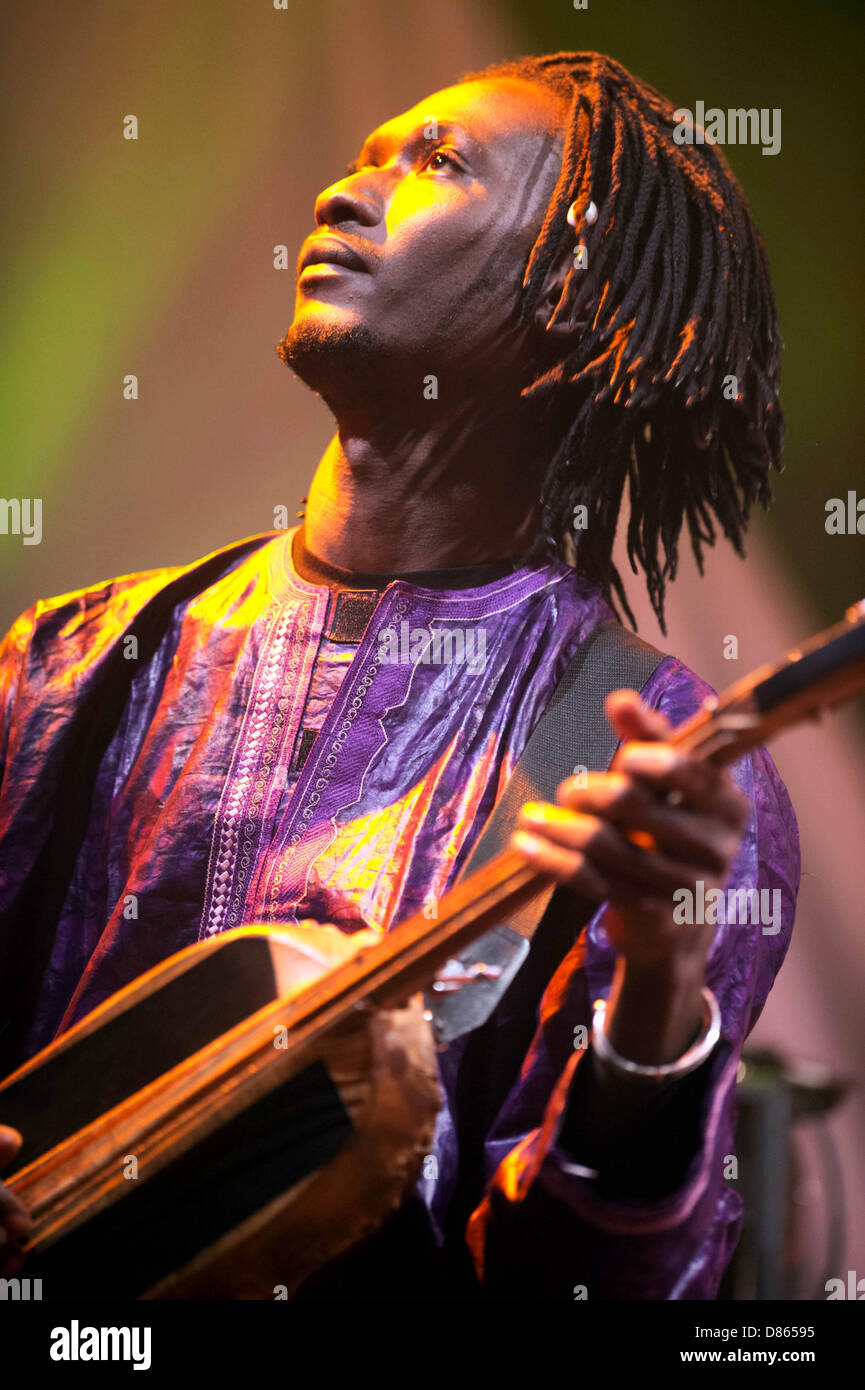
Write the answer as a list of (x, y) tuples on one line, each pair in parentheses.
[(676, 299)]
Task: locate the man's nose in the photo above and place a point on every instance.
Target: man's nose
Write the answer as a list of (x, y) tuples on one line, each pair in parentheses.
[(345, 201)]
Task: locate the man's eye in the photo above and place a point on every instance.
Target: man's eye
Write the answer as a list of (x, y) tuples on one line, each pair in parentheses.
[(441, 154)]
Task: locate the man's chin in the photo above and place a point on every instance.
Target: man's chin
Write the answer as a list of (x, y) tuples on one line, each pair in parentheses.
[(319, 347), (343, 360)]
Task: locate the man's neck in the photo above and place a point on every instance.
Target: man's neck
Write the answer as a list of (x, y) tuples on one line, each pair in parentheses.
[(407, 499)]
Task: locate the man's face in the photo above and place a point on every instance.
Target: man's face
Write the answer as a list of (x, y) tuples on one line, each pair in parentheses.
[(440, 211)]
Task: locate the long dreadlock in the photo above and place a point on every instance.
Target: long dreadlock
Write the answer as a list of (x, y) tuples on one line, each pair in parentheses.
[(677, 299)]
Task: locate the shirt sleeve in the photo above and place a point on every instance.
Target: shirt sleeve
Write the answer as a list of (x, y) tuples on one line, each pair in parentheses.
[(550, 1227), (13, 655)]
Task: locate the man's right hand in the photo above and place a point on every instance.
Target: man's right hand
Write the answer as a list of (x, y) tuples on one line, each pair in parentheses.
[(14, 1219)]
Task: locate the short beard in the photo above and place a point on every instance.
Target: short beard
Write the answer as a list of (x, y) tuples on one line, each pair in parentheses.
[(334, 362)]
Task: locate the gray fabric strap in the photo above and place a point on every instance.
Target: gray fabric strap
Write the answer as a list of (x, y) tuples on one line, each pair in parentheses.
[(572, 732)]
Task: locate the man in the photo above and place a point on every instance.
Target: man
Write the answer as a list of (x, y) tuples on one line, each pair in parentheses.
[(522, 293)]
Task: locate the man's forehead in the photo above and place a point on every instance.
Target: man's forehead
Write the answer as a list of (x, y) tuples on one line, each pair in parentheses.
[(490, 110)]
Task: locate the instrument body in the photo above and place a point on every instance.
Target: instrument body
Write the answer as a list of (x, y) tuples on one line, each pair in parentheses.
[(212, 1131), (206, 1155)]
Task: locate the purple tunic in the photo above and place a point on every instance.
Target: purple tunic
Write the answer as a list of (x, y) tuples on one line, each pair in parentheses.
[(151, 796)]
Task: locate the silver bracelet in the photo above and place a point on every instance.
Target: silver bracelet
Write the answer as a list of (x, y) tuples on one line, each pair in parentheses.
[(689, 1061)]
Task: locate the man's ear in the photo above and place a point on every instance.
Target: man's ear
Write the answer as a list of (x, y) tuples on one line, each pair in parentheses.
[(554, 315)]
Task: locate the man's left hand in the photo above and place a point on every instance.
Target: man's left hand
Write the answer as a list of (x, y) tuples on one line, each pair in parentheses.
[(658, 821)]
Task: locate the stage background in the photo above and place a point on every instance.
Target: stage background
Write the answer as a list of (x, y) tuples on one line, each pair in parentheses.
[(155, 257)]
